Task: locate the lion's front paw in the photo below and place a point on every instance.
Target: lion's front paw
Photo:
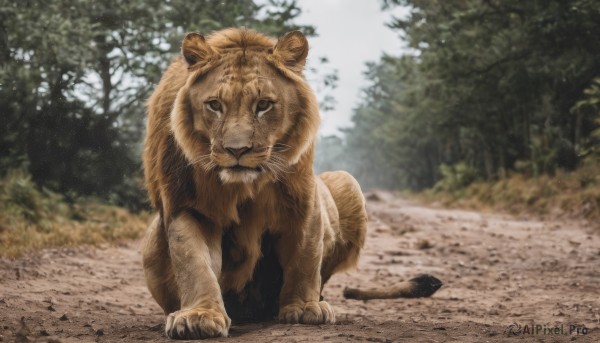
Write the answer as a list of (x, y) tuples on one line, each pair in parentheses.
[(312, 312), (318, 312), (197, 323)]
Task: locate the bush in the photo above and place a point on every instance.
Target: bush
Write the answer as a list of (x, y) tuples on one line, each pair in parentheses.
[(33, 217), (572, 194), (455, 177)]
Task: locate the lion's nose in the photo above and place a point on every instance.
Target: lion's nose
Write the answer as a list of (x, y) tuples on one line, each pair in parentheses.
[(238, 152)]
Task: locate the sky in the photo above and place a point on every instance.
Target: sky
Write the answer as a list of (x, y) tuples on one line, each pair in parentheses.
[(350, 33)]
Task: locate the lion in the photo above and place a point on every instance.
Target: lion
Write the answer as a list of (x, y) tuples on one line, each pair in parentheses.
[(244, 226)]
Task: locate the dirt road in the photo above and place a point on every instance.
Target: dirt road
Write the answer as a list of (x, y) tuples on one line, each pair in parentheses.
[(497, 271)]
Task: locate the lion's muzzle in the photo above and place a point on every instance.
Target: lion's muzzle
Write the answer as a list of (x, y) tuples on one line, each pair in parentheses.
[(238, 152)]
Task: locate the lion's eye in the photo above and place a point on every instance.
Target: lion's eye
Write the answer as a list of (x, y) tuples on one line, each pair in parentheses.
[(263, 106), (214, 105)]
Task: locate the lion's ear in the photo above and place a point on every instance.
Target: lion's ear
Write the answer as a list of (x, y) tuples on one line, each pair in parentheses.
[(195, 48), (292, 49)]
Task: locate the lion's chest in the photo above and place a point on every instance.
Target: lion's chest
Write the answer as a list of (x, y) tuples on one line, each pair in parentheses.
[(258, 300), (263, 222), (237, 250)]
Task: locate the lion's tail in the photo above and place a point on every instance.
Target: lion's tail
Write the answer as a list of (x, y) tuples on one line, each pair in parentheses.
[(421, 286)]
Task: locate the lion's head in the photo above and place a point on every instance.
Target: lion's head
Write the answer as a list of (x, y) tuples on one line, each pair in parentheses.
[(245, 110)]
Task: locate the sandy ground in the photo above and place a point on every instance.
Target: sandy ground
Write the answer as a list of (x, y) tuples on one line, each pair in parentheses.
[(497, 271)]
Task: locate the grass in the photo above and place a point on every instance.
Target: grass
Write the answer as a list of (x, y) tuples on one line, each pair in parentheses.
[(32, 218), (573, 194)]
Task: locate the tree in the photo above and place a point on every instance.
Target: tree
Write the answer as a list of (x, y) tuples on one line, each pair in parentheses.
[(488, 85)]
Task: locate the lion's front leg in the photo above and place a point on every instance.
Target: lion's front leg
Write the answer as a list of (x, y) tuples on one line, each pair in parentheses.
[(300, 256), (195, 251)]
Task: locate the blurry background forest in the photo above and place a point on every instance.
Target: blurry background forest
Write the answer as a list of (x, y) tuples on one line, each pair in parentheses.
[(495, 103), (489, 96)]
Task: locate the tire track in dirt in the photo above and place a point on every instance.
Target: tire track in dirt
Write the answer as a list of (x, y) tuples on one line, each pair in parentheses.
[(497, 270)]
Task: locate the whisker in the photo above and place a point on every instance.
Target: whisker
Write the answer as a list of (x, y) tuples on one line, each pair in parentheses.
[(276, 166), (282, 144), (282, 163), (281, 147), (274, 174), (204, 161), (199, 159)]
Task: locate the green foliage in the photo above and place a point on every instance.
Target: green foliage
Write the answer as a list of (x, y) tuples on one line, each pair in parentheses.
[(496, 85), (589, 107), (455, 178), (75, 74), (21, 199)]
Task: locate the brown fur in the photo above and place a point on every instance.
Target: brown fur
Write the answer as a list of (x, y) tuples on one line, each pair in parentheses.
[(421, 286), (190, 156)]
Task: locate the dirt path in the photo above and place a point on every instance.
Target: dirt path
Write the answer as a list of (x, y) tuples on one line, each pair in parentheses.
[(497, 270)]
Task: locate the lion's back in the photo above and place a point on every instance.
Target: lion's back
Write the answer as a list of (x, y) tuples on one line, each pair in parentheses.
[(350, 204)]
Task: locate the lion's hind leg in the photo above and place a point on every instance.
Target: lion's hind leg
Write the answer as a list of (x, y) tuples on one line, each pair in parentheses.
[(349, 235)]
